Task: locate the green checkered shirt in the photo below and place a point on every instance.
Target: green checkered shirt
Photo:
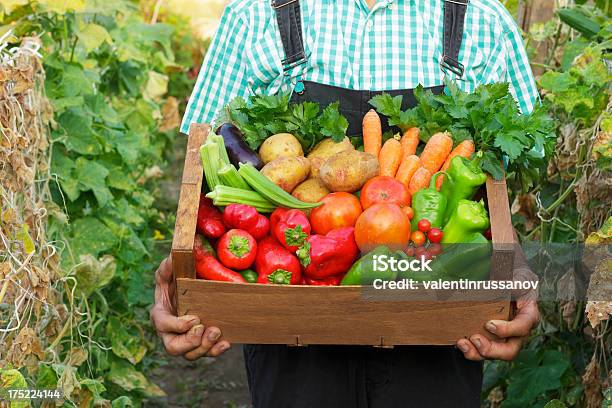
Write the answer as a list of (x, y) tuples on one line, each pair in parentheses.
[(396, 45)]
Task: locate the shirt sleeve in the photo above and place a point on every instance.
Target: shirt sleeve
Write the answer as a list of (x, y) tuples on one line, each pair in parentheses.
[(518, 70), (223, 73)]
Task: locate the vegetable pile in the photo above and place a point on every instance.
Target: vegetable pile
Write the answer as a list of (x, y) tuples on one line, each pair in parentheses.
[(335, 206)]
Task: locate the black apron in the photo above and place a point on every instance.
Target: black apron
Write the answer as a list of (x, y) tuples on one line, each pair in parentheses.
[(361, 376)]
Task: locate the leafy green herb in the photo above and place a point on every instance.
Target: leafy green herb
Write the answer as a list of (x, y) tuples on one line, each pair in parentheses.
[(490, 117), (264, 115)]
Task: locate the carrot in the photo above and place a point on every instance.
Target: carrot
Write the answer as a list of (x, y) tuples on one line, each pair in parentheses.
[(372, 133), (407, 169), (419, 180), (390, 157), (463, 149), (410, 141), (436, 151)]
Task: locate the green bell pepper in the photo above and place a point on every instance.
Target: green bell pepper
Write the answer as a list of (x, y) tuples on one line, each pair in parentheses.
[(362, 272), (429, 204), (468, 219), (464, 178), (470, 259)]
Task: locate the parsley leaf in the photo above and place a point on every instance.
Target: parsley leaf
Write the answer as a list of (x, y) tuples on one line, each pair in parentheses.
[(261, 116)]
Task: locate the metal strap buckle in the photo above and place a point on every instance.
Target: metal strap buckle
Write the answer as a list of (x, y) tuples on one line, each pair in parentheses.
[(452, 65), (277, 4)]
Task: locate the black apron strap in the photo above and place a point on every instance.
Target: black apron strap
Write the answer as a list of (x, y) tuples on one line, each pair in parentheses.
[(290, 29), (454, 22)]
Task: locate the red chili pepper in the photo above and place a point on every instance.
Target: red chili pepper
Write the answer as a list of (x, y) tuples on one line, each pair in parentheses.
[(237, 249), (329, 255), (329, 281), (261, 228), (210, 220), (275, 264), (208, 267), (291, 228)]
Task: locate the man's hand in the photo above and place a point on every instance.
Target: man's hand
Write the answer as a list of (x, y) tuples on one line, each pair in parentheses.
[(182, 336), (478, 347)]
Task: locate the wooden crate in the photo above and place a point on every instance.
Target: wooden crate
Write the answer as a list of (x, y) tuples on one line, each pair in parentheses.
[(302, 315)]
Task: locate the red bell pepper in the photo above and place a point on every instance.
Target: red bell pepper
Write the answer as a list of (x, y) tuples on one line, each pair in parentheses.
[(210, 220), (291, 228), (329, 255), (208, 267), (275, 264), (261, 228), (246, 217), (330, 281), (237, 249)]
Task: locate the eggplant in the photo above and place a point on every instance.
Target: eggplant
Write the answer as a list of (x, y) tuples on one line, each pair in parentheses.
[(237, 149)]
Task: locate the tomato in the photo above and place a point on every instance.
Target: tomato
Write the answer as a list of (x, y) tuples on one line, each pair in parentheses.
[(422, 254), (418, 238), (384, 189), (435, 249), (338, 210), (408, 211), (424, 225), (382, 224), (409, 251), (435, 235)]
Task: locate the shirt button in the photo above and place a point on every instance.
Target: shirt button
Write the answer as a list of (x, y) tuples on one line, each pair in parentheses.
[(369, 25)]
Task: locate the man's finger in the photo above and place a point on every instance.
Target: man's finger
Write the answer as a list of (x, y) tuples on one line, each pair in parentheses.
[(218, 349), (469, 350), (178, 345), (166, 322), (208, 340), (164, 272), (520, 326), (497, 350)]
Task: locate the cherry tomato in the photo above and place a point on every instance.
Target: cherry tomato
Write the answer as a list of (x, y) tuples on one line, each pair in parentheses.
[(424, 225), (435, 235), (408, 211), (435, 249), (421, 253), (409, 251), (418, 238)]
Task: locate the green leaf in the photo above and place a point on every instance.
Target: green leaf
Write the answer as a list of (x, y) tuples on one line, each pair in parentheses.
[(9, 5), (156, 86), (555, 404), (93, 36), (126, 340), (80, 137), (122, 402), (90, 236), (511, 143), (93, 274), (127, 377), (535, 373), (92, 176), (62, 6), (12, 379), (332, 123)]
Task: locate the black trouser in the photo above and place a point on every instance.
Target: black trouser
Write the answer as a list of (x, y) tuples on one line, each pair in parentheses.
[(361, 377)]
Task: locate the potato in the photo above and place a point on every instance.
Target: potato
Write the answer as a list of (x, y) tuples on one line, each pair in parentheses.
[(348, 170), (310, 191), (280, 145), (287, 172), (324, 150)]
